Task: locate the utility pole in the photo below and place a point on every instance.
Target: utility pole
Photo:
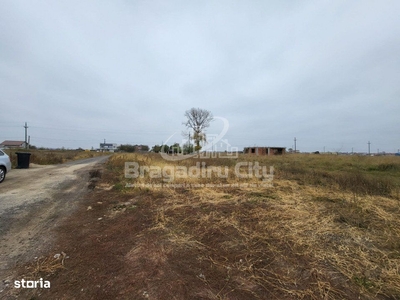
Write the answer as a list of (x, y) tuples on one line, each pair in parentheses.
[(29, 141), (295, 145), (369, 147), (26, 135)]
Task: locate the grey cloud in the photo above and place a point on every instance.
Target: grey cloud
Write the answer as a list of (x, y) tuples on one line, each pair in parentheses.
[(325, 72)]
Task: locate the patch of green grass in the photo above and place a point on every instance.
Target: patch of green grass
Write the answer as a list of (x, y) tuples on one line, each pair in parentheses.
[(119, 187), (357, 174), (364, 282)]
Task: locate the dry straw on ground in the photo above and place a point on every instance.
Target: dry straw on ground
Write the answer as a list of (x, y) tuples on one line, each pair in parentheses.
[(328, 228), (44, 266)]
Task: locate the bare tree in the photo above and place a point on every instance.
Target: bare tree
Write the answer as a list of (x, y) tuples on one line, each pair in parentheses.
[(198, 119)]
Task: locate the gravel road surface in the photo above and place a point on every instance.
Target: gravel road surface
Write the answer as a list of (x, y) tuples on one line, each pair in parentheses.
[(32, 202)]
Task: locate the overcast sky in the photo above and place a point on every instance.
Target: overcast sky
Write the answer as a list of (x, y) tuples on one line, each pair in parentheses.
[(325, 72)]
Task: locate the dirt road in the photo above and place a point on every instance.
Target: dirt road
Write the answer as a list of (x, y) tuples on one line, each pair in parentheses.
[(32, 202)]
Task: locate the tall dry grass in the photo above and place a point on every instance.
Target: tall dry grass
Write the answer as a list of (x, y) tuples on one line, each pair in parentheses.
[(360, 175)]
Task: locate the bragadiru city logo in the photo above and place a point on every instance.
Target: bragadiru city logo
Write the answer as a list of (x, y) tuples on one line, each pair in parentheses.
[(169, 173)]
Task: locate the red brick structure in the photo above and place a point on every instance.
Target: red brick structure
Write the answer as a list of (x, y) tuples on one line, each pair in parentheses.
[(265, 150)]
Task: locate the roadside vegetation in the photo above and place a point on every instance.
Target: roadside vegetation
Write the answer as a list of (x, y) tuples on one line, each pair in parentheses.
[(327, 228), (50, 157)]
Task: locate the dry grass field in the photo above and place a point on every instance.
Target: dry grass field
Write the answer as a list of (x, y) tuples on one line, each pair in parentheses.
[(327, 228)]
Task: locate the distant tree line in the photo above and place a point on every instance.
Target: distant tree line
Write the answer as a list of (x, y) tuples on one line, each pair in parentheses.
[(173, 149), (197, 120)]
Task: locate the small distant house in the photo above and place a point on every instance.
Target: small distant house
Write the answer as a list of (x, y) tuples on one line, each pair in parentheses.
[(12, 144), (265, 150), (141, 148), (108, 147)]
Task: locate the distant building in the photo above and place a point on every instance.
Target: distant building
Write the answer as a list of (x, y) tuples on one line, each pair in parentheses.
[(108, 147), (12, 144), (265, 150), (142, 148)]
